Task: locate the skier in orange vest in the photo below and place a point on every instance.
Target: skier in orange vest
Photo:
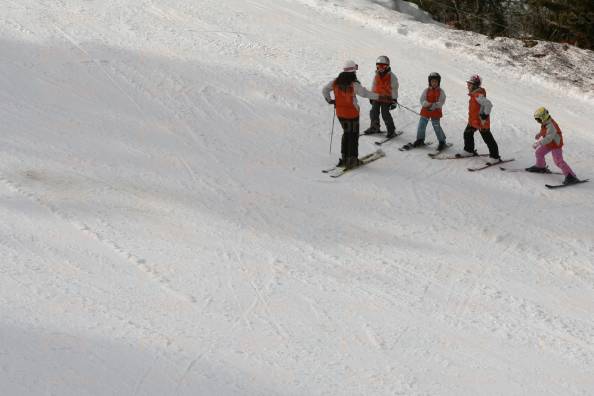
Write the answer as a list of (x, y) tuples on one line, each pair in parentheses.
[(479, 109), (385, 83), (346, 87), (550, 140), (432, 101)]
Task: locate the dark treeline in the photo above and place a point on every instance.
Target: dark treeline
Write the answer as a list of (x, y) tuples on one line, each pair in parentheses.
[(565, 21)]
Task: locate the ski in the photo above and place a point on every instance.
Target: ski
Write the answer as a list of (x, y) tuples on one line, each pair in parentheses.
[(436, 152), (566, 185), (524, 170), (458, 156), (490, 164), (363, 161), (342, 167), (387, 139), (373, 133), (409, 146)]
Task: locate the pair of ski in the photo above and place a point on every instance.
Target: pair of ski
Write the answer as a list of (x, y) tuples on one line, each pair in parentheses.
[(411, 146), (385, 139), (338, 171), (438, 155), (548, 172), (487, 165), (493, 163)]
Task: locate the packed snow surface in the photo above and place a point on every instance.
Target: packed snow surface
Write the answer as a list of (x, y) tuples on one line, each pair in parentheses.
[(166, 229)]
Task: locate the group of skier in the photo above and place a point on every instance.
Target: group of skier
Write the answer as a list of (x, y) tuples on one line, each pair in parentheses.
[(384, 98)]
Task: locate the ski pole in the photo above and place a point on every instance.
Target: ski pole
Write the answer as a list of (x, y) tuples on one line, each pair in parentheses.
[(332, 130), (411, 110)]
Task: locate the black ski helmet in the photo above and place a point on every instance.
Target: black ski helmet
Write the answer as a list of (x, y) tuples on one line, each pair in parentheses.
[(434, 76)]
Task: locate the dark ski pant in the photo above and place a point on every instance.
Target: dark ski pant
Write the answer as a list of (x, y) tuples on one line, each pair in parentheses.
[(350, 138), (374, 115), (487, 138)]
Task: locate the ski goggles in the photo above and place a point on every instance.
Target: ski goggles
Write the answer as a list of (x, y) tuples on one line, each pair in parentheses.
[(381, 66)]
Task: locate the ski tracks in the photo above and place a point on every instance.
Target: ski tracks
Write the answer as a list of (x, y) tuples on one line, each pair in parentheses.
[(138, 262), (259, 299)]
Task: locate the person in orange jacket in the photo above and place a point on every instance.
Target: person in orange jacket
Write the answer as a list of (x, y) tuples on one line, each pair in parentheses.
[(479, 110), (385, 83), (432, 100), (346, 87), (550, 140)]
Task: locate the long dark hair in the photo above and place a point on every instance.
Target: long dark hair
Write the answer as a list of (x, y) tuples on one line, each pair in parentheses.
[(345, 79)]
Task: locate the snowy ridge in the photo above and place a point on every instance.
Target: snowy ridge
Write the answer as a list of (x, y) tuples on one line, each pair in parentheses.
[(167, 230), (558, 66)]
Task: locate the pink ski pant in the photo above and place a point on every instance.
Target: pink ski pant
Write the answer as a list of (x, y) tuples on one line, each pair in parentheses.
[(557, 157)]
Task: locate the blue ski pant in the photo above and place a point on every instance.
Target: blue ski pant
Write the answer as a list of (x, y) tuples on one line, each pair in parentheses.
[(436, 127)]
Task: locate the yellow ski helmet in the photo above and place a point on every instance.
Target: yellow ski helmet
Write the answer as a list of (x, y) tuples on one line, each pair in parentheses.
[(541, 114)]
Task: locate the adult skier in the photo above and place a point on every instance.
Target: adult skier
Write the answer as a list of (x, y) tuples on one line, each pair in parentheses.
[(385, 83), (346, 87), (550, 140), (432, 101), (479, 110)]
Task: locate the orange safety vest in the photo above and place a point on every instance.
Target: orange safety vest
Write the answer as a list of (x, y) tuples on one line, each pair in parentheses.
[(432, 96), (474, 109), (344, 101), (382, 85), (553, 144)]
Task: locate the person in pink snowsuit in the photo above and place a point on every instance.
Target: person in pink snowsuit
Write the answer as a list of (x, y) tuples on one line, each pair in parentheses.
[(550, 140)]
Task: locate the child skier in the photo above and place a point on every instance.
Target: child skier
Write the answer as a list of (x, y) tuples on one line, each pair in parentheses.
[(479, 109), (550, 140), (432, 101), (385, 83), (346, 87)]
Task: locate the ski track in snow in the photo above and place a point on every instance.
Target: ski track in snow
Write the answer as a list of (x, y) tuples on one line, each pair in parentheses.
[(138, 262), (164, 160)]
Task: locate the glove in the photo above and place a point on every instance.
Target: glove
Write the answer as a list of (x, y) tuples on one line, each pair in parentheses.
[(394, 104), (433, 107), (536, 136), (536, 145), (384, 99), (483, 118), (331, 101), (371, 101)]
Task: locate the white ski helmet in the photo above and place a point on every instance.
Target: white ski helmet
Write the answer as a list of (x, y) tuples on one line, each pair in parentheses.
[(382, 60), (350, 66)]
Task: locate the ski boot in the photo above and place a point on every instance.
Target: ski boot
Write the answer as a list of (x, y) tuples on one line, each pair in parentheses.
[(441, 146), (372, 130), (570, 179), (538, 169), (352, 162), (467, 154)]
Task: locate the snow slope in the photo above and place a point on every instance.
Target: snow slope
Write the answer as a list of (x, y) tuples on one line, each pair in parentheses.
[(166, 228)]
